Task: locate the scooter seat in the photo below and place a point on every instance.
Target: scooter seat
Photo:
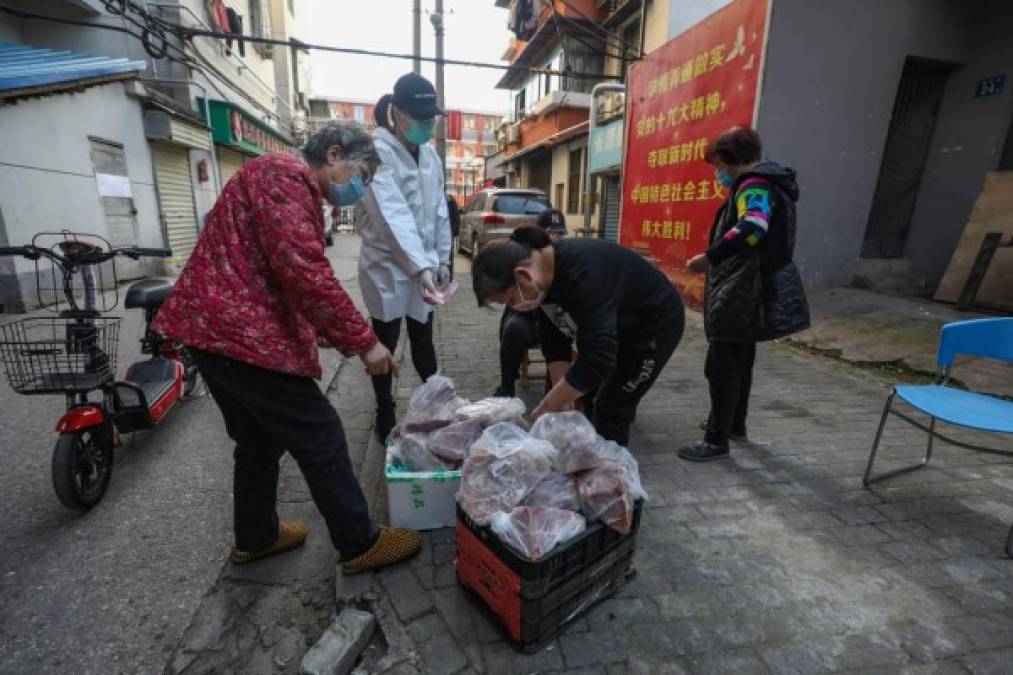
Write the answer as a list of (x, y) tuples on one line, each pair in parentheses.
[(148, 293)]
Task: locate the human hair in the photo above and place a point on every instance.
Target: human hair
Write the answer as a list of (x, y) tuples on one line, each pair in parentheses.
[(492, 270), (353, 139), (736, 147), (381, 112)]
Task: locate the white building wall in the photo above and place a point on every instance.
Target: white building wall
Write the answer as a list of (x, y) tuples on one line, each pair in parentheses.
[(47, 182)]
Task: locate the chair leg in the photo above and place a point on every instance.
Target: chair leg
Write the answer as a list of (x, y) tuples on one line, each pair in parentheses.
[(868, 479), (879, 435)]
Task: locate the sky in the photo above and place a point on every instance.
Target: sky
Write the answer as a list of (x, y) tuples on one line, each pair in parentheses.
[(475, 30)]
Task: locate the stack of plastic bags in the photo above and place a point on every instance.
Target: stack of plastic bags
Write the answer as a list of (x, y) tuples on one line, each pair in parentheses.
[(539, 489), (440, 427)]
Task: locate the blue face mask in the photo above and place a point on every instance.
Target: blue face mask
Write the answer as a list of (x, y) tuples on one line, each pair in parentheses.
[(347, 193), (724, 178), (420, 133)]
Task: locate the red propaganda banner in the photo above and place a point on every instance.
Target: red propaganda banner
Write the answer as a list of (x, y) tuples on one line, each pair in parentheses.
[(680, 97), (454, 125)]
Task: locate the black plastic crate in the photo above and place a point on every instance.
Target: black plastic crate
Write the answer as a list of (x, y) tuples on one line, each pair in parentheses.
[(568, 559), (535, 600)]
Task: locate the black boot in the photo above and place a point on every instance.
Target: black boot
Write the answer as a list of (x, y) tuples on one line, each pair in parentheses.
[(702, 451)]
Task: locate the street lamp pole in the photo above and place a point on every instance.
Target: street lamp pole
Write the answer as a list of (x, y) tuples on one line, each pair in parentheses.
[(441, 124), (417, 37)]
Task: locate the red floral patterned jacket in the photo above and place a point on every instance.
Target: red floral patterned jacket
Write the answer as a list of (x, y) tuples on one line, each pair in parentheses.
[(258, 287)]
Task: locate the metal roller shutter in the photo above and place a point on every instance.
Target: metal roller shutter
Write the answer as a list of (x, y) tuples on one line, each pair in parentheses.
[(175, 192), (611, 211), (229, 162)]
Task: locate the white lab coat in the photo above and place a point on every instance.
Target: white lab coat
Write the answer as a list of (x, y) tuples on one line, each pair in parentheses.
[(405, 229)]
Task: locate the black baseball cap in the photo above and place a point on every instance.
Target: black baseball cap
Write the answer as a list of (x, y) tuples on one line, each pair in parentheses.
[(416, 96), (552, 220)]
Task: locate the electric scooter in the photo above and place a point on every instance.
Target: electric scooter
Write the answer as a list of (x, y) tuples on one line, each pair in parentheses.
[(74, 354)]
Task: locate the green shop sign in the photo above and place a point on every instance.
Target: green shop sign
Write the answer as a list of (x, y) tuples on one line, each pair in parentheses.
[(233, 128)]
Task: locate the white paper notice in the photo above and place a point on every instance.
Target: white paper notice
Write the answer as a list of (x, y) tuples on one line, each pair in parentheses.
[(111, 185)]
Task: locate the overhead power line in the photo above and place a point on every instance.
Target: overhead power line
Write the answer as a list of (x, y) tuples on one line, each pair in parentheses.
[(155, 42)]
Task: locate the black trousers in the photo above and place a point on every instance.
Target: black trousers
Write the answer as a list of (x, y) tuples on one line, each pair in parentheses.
[(268, 413), (614, 408), (518, 332), (420, 336), (729, 371)]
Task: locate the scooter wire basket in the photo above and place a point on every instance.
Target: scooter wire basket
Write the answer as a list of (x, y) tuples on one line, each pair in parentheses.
[(59, 355)]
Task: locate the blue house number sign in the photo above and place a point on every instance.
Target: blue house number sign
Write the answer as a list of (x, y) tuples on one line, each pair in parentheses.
[(990, 86)]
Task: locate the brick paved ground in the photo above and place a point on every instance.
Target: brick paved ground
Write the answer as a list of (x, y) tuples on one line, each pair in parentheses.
[(775, 560)]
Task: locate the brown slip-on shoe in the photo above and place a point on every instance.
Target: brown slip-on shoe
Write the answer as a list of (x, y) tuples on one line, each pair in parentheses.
[(290, 535), (394, 545)]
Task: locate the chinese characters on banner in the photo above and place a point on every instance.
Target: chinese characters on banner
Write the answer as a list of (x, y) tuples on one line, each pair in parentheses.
[(680, 97)]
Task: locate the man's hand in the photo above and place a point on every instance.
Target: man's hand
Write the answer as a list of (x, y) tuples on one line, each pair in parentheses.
[(379, 361), (426, 285), (697, 263), (560, 398), (443, 276)]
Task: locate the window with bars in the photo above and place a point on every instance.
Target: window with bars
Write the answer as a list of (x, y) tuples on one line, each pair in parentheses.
[(260, 26)]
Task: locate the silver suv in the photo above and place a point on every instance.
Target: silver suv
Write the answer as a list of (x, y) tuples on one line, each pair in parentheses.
[(495, 213)]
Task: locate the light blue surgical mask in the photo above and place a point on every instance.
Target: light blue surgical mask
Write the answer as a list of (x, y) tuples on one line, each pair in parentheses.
[(420, 133), (347, 193), (724, 178)]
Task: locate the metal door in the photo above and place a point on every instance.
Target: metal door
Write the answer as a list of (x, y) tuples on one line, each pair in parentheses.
[(110, 163), (540, 175), (610, 209), (907, 145), (229, 163), (175, 194)]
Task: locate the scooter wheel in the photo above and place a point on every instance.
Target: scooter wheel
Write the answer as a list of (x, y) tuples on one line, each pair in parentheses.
[(82, 467)]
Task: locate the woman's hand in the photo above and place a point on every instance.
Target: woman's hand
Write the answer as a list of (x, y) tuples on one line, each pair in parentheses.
[(379, 361), (443, 276), (426, 285), (697, 263)]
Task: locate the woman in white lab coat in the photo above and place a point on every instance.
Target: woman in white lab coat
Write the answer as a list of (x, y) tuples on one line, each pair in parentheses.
[(405, 229)]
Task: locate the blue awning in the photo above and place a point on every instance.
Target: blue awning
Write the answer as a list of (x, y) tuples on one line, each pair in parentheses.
[(23, 67)]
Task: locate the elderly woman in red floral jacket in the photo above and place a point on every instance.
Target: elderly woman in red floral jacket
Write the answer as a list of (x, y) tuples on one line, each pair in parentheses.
[(255, 300)]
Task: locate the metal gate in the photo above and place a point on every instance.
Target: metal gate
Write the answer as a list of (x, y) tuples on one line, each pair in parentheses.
[(175, 193), (610, 210), (907, 145), (229, 162)]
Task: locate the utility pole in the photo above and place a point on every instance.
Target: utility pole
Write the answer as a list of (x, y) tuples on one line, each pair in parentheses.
[(417, 37), (441, 124)]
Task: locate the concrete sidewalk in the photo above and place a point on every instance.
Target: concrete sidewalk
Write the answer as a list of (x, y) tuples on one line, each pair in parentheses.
[(775, 560), (863, 326)]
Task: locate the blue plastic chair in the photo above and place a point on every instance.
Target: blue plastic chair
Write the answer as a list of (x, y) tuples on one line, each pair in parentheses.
[(990, 338)]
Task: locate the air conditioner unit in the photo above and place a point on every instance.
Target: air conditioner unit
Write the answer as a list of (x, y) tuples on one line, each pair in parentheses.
[(514, 133)]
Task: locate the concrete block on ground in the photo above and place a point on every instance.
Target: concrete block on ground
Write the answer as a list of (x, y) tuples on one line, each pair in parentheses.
[(339, 647)]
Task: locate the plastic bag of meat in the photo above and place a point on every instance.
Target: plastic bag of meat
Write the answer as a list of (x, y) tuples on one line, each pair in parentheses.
[(454, 442), (535, 530), (556, 491), (605, 494), (505, 464), (492, 411), (499, 440), (409, 452), (614, 451), (574, 438), (432, 405)]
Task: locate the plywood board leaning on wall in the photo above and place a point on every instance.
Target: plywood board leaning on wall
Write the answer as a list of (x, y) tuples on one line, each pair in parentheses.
[(993, 212)]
